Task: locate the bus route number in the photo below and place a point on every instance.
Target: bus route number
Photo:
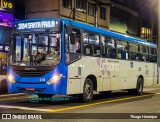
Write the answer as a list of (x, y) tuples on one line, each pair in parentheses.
[(42, 79)]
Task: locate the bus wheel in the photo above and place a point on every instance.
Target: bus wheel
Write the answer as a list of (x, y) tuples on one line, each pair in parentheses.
[(87, 94), (139, 88), (105, 93)]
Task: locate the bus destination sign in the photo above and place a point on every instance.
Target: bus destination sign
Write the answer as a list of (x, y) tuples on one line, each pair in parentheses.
[(37, 25)]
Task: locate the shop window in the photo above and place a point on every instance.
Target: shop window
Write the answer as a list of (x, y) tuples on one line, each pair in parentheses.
[(91, 9), (103, 13), (3, 63), (81, 5), (67, 3)]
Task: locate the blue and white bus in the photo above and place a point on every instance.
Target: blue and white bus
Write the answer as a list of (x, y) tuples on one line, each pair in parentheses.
[(65, 57)]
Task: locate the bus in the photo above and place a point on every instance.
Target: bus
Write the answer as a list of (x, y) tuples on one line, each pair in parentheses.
[(57, 56)]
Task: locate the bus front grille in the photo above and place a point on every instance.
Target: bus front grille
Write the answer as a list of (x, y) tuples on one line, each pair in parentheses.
[(31, 71)]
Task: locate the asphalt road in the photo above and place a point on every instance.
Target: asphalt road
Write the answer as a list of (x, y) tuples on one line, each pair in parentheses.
[(117, 102)]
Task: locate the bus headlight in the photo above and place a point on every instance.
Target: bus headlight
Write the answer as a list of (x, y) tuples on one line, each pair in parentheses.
[(11, 78), (55, 78)]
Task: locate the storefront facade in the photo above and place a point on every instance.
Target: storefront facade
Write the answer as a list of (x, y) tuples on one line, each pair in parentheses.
[(6, 22)]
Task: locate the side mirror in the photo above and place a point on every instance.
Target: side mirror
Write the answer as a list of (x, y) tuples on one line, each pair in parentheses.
[(68, 30), (72, 38)]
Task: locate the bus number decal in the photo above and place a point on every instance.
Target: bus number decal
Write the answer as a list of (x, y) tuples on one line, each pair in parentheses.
[(42, 79)]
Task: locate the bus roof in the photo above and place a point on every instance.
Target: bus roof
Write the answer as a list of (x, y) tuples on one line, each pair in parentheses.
[(98, 30)]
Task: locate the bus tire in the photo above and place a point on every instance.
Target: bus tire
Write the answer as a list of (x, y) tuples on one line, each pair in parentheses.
[(87, 94), (105, 93), (139, 88)]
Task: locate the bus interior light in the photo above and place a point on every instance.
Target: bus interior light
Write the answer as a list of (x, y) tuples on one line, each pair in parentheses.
[(11, 79), (55, 78)]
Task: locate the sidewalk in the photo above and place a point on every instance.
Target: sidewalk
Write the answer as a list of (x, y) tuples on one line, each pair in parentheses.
[(3, 77)]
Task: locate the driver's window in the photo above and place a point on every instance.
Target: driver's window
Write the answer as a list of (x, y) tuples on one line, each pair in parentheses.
[(18, 49), (25, 49), (73, 45)]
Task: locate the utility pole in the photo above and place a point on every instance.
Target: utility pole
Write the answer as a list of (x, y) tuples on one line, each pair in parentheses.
[(158, 41), (159, 31)]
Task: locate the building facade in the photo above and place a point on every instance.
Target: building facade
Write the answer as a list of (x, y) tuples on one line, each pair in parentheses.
[(136, 18), (130, 17), (91, 12)]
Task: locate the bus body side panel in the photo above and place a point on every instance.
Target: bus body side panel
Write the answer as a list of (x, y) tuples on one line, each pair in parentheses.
[(92, 67), (150, 74), (89, 66), (111, 74), (74, 77)]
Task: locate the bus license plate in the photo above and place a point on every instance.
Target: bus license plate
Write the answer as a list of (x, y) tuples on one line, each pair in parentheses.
[(30, 89)]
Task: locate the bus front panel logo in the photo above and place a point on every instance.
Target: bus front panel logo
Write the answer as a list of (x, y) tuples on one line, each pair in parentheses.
[(30, 69)]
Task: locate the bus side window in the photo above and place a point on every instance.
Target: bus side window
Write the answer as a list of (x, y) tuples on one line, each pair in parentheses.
[(88, 50), (144, 53), (152, 55), (122, 49), (91, 44), (108, 47), (73, 50), (134, 52)]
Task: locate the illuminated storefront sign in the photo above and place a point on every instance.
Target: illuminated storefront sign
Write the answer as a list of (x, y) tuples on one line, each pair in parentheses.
[(6, 23), (6, 5), (6, 19), (37, 25), (4, 47)]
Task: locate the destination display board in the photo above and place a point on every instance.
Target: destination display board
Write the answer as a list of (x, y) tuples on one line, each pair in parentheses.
[(37, 24)]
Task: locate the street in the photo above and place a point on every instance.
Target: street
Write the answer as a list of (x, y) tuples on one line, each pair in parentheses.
[(117, 102)]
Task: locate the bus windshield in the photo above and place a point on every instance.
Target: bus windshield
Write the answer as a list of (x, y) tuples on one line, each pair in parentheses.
[(35, 49)]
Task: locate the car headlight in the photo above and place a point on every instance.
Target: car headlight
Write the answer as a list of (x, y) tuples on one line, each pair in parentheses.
[(11, 78), (54, 79)]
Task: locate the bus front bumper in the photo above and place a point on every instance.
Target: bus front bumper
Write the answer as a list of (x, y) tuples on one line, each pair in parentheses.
[(42, 88)]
